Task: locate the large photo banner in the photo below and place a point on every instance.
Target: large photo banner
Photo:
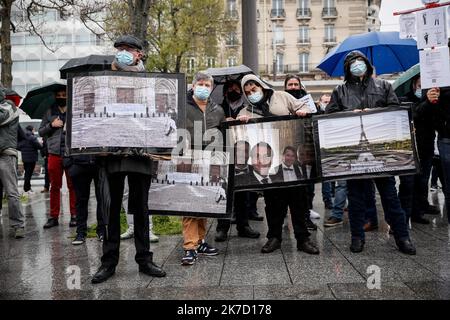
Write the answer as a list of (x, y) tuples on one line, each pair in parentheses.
[(272, 152), (111, 112), (198, 184), (368, 144)]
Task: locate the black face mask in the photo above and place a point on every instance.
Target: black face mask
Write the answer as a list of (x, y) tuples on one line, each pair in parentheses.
[(61, 102), (234, 96), (296, 93)]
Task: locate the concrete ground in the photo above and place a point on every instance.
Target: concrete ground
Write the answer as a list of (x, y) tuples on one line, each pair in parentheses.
[(40, 266)]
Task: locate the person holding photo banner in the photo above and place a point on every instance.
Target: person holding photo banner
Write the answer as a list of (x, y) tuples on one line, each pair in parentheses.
[(359, 92), (265, 102), (438, 101), (202, 115), (138, 169)]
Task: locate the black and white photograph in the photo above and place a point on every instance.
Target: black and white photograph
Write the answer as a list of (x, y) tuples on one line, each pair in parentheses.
[(272, 152), (124, 111), (196, 184), (365, 144)]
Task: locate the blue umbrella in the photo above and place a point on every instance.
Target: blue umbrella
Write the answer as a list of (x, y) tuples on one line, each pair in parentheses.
[(385, 50)]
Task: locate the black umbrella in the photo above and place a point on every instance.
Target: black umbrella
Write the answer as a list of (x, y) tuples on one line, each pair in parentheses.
[(38, 100), (93, 62), (222, 75)]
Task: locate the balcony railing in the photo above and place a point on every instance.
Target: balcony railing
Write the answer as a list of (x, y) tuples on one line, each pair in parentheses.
[(303, 13), (280, 41), (329, 13), (288, 68), (329, 40), (303, 40), (231, 43), (278, 14), (232, 15)]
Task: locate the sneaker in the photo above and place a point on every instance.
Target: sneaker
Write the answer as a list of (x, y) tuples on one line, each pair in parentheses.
[(153, 237), (128, 234), (73, 222), (189, 258), (19, 233), (79, 239), (207, 250), (332, 222), (100, 236), (313, 214), (434, 187)]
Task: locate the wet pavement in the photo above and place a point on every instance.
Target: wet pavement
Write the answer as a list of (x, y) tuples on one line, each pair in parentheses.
[(40, 266)]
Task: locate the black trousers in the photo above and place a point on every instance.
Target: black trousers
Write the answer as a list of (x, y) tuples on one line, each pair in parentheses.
[(277, 203), (82, 176), (139, 185), (29, 169), (240, 206)]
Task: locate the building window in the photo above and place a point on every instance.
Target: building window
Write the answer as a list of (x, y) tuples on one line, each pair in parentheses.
[(329, 8), (190, 65), (83, 39), (277, 9), (303, 34), (17, 40), (231, 10), (50, 66), (231, 62), (277, 4), (32, 40), (19, 66), (211, 62), (329, 33), (278, 35), (64, 39), (50, 15), (33, 65), (303, 8), (303, 62), (279, 63), (231, 39), (329, 4)]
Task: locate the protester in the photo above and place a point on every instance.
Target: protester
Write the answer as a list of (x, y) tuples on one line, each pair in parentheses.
[(29, 149), (83, 170), (265, 102), (202, 113), (360, 92), (438, 101), (138, 169), (53, 129), (9, 126), (294, 87)]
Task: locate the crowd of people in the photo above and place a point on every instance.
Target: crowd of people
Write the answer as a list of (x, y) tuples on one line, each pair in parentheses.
[(125, 181)]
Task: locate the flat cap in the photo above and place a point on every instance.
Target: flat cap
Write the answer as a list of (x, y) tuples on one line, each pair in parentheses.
[(130, 41)]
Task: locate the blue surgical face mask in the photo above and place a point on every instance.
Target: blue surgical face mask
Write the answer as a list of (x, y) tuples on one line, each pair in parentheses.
[(255, 97), (125, 57), (202, 93), (358, 68), (418, 93)]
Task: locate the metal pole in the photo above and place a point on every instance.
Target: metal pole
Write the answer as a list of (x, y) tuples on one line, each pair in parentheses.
[(250, 35)]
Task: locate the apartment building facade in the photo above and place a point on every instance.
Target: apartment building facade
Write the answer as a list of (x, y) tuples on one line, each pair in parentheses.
[(294, 35)]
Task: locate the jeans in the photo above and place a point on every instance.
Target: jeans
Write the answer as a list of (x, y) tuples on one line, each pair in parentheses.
[(82, 176), (357, 206), (327, 192), (56, 171), (8, 178), (340, 197), (29, 169), (444, 152), (371, 204)]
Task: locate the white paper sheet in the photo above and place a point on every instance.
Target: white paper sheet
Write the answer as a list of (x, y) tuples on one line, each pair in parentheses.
[(408, 26), (431, 28), (435, 67)]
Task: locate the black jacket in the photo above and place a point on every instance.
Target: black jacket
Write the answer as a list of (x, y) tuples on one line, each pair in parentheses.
[(211, 119), (29, 147), (423, 123), (357, 94), (279, 175), (229, 112), (441, 113)]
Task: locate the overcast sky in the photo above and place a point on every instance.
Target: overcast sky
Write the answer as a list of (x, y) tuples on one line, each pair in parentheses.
[(388, 21)]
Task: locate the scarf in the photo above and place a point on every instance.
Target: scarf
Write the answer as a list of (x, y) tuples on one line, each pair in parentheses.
[(123, 67)]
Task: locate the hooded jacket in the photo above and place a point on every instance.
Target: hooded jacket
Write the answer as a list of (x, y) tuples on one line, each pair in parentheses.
[(210, 119), (280, 103), (355, 93), (29, 147), (9, 123)]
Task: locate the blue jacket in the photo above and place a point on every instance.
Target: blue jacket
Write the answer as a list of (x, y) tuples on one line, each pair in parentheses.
[(29, 147)]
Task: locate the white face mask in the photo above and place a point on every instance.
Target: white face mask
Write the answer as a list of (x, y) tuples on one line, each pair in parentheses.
[(255, 97)]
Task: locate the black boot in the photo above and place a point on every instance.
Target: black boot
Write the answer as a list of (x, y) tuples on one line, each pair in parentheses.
[(406, 246), (221, 236), (357, 245), (103, 274), (51, 222)]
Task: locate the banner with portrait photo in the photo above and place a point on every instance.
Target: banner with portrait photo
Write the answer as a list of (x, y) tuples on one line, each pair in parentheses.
[(198, 184), (272, 152), (121, 112), (371, 144)]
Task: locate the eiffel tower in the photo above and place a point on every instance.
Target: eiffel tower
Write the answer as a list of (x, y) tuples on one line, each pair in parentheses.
[(363, 141)]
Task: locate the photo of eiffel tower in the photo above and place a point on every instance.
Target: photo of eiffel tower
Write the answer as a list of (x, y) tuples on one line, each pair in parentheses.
[(363, 141)]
